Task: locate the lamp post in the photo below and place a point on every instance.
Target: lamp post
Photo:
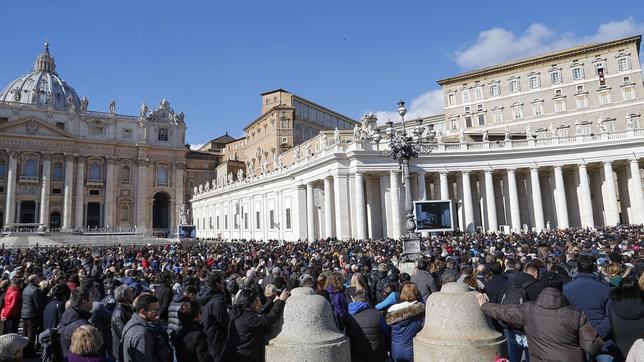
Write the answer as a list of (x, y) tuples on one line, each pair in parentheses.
[(403, 148)]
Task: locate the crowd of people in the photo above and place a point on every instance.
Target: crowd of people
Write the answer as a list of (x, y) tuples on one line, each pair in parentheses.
[(566, 295)]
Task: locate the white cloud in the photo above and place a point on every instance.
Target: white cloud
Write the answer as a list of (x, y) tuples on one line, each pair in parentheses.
[(426, 104), (497, 45), (196, 146)]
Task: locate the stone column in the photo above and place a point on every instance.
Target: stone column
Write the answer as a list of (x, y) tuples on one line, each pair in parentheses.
[(44, 192), (110, 192), (361, 224), (10, 205), (467, 202), (560, 199), (310, 222), (328, 208), (490, 202), (341, 193), (515, 213), (179, 193), (80, 193), (394, 179), (141, 195), (537, 204), (297, 215), (444, 185), (637, 197), (67, 198), (374, 226), (422, 192), (610, 197), (585, 202)]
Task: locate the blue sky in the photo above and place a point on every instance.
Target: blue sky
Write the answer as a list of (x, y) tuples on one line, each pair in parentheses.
[(212, 59)]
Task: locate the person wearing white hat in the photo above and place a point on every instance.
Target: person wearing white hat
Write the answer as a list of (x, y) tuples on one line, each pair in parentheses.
[(11, 346)]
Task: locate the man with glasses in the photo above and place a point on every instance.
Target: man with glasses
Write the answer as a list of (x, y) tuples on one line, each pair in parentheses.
[(142, 340)]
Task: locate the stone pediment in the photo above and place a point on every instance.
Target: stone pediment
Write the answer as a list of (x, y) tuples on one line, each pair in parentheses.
[(165, 114), (33, 127)]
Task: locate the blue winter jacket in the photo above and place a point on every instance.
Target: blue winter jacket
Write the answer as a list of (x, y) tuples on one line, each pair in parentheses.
[(405, 323), (590, 294)]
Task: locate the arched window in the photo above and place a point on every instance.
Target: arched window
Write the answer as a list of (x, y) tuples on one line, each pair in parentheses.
[(95, 171), (58, 171), (162, 176), (125, 174), (30, 169)]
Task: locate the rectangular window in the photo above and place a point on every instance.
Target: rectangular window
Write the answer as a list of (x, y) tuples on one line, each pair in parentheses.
[(582, 101), (127, 133), (534, 81), (217, 222), (60, 125), (517, 112), (245, 221), (514, 85), (495, 90), (580, 88), (604, 97), (288, 218), (577, 73), (481, 118), (537, 108), (94, 192), (468, 121), (57, 191), (560, 105), (271, 218), (626, 79), (96, 130), (628, 93), (562, 132), (555, 77), (454, 123), (624, 63), (478, 92), (599, 68), (210, 222), (225, 222), (466, 95), (609, 126), (258, 223), (163, 134), (451, 98), (498, 115)]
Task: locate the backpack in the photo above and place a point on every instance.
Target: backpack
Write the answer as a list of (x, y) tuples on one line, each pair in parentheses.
[(515, 294), (49, 339), (229, 350)]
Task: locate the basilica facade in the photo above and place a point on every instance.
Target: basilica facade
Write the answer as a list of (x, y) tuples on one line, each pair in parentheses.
[(66, 168), (552, 141)]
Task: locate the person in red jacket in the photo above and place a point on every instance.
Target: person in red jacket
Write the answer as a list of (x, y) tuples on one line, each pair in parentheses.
[(10, 312)]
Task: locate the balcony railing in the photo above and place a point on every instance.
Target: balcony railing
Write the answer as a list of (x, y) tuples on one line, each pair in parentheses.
[(28, 179), (94, 182)]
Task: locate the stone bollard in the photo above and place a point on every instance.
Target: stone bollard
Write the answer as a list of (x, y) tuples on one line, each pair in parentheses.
[(308, 333), (455, 328)]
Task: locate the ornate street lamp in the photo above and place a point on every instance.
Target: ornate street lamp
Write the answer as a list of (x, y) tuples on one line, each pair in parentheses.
[(404, 147)]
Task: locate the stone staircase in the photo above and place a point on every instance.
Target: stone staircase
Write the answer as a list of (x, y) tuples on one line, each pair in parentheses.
[(31, 239)]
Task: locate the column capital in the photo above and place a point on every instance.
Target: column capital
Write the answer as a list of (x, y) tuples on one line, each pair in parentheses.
[(70, 156), (488, 171), (582, 164), (443, 172), (111, 160), (633, 160), (142, 162), (12, 154), (465, 172), (511, 170), (180, 165), (303, 187), (558, 167), (46, 156)]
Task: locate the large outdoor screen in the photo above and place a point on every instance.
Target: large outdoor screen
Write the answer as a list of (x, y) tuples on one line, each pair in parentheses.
[(433, 216)]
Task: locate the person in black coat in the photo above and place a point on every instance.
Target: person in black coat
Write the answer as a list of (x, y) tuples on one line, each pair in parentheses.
[(365, 330), (190, 341), (250, 326), (77, 314), (625, 309), (215, 315), (163, 292), (495, 287), (122, 313), (55, 308), (33, 305)]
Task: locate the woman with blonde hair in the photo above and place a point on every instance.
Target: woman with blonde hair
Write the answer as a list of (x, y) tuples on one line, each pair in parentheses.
[(86, 345), (358, 283)]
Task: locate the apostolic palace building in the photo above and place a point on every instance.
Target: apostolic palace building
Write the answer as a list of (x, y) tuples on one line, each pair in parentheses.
[(553, 141)]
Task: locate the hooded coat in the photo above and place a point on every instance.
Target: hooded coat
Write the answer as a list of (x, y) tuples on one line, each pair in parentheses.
[(406, 320), (71, 319), (626, 314), (555, 330), (364, 329)]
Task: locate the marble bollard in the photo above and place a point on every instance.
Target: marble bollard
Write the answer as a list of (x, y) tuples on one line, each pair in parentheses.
[(309, 333), (455, 328)]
